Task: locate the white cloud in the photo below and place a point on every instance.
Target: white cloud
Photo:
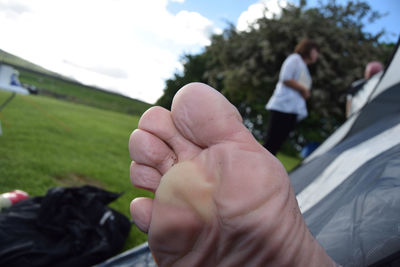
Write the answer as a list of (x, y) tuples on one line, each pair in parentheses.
[(267, 8), (127, 46), (12, 8)]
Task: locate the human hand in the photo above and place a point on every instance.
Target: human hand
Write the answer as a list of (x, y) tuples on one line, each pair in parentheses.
[(305, 93)]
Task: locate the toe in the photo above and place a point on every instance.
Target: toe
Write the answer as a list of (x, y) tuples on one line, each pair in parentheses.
[(205, 116), (141, 209), (145, 177), (147, 149), (158, 121)]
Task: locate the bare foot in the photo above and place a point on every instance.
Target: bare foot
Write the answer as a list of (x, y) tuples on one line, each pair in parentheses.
[(221, 199)]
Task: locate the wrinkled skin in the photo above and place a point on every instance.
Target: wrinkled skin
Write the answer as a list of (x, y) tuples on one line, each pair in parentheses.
[(221, 199)]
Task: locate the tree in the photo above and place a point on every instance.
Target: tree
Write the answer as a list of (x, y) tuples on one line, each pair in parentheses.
[(193, 71), (245, 65)]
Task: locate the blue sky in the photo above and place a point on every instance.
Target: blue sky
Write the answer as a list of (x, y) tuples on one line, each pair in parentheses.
[(128, 46), (220, 11)]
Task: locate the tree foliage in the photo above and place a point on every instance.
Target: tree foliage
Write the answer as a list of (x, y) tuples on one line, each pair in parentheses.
[(245, 65)]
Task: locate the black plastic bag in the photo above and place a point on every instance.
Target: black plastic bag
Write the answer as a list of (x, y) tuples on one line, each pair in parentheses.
[(67, 227)]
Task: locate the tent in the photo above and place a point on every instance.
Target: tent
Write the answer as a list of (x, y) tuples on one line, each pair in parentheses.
[(9, 80), (348, 189)]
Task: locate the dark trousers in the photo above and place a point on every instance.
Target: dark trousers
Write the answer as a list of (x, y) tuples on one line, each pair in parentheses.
[(279, 126)]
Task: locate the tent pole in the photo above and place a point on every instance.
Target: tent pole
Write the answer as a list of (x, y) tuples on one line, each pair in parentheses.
[(7, 101)]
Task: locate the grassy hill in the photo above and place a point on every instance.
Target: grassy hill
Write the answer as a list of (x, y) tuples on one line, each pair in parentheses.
[(17, 61), (78, 93), (54, 85)]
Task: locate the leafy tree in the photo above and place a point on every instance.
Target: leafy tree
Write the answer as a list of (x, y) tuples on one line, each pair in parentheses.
[(245, 65), (194, 68)]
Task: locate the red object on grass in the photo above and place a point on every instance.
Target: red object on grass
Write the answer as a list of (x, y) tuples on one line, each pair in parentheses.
[(10, 198)]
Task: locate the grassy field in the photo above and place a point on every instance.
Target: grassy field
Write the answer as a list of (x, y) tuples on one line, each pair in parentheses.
[(47, 142), (57, 86)]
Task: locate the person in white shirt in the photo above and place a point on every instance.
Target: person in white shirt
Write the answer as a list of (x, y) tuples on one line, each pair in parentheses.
[(287, 105)]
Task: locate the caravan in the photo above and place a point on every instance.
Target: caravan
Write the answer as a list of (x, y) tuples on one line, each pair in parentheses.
[(9, 80)]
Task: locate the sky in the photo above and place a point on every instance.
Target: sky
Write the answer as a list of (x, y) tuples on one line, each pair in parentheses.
[(132, 46)]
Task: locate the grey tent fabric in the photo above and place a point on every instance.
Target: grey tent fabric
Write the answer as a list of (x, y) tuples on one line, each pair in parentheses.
[(305, 174), (388, 80), (139, 256), (358, 223), (378, 109)]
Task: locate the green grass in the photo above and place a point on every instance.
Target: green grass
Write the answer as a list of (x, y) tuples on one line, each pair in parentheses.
[(47, 143), (288, 162), (78, 93)]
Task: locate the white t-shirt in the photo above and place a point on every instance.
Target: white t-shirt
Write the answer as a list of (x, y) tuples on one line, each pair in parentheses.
[(286, 99)]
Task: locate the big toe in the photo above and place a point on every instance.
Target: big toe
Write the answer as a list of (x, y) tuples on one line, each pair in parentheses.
[(206, 117)]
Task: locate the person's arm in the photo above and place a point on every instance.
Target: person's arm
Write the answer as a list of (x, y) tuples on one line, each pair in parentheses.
[(293, 84)]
